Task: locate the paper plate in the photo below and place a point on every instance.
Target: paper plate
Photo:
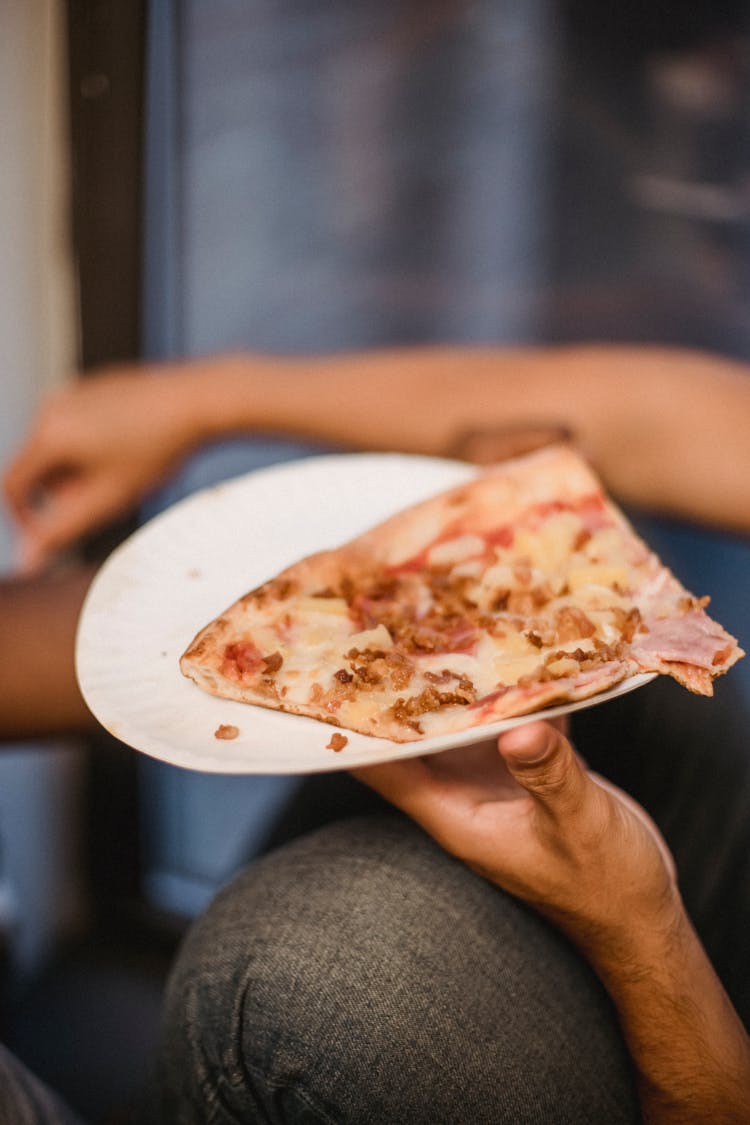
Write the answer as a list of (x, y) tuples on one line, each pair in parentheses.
[(188, 564)]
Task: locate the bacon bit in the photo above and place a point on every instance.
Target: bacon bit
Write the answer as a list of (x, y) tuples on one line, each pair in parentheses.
[(338, 742), (581, 539), (534, 639), (440, 677), (400, 670), (626, 621), (273, 662), (226, 731), (573, 623), (367, 676), (500, 601), (341, 692), (343, 676), (366, 655), (431, 700), (606, 652), (690, 602)]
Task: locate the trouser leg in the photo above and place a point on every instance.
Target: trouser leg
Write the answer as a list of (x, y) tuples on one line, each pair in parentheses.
[(24, 1100), (361, 975)]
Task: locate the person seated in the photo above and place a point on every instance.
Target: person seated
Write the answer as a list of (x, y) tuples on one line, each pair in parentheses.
[(539, 963)]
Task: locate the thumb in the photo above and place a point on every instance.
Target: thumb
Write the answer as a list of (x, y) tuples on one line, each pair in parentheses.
[(543, 762)]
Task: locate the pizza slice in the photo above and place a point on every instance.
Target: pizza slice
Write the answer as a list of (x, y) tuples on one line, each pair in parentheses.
[(524, 588)]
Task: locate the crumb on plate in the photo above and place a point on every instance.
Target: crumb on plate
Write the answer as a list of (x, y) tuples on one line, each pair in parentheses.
[(226, 731)]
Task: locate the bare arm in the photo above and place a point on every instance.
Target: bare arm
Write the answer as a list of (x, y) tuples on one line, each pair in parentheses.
[(39, 694), (668, 429), (532, 820)]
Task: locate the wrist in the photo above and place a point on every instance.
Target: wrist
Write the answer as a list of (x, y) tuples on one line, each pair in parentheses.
[(628, 949)]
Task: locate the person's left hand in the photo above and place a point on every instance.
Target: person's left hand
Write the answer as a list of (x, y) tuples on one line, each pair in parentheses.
[(526, 814)]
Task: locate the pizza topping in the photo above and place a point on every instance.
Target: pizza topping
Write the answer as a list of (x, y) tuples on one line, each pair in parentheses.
[(241, 658), (226, 731), (273, 662), (453, 551), (628, 622), (430, 699), (572, 623), (338, 742), (692, 638)]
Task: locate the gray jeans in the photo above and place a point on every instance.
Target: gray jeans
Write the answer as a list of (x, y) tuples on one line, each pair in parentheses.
[(24, 1100), (359, 974)]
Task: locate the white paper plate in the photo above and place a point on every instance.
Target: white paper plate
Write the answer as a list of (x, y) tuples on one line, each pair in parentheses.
[(188, 564)]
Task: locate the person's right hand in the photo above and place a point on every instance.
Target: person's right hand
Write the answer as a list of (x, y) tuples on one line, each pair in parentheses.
[(528, 816), (95, 448)]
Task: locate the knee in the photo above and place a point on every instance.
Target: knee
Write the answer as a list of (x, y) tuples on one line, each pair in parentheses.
[(364, 974)]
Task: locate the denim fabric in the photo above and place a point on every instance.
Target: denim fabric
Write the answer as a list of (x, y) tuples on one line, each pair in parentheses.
[(25, 1101), (359, 974)]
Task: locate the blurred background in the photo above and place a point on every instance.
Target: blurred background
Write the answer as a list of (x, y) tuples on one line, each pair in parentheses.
[(186, 176)]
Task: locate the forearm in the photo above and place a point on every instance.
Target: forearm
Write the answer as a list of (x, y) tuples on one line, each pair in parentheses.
[(39, 694), (667, 429), (690, 1051)]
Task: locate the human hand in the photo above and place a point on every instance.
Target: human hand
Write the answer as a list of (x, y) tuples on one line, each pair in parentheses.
[(93, 451), (529, 817)]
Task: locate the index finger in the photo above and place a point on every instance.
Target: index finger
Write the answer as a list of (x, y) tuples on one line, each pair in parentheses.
[(26, 473)]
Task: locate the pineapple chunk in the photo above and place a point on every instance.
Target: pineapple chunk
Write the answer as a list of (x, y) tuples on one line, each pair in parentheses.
[(306, 605), (377, 638), (603, 575), (509, 672), (456, 550), (550, 546)]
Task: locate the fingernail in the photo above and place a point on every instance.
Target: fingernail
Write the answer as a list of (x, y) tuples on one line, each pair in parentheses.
[(529, 743)]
